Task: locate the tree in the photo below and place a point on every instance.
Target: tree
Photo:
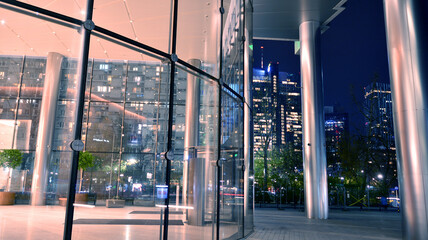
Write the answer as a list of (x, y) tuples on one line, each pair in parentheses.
[(10, 158), (86, 160), (372, 155), (285, 171), (262, 119)]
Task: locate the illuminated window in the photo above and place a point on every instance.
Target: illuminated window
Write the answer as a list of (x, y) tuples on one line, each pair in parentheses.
[(103, 66)]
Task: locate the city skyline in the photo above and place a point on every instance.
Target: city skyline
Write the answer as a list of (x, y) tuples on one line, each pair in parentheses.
[(353, 57)]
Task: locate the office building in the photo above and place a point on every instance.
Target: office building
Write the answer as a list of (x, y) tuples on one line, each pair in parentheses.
[(277, 109), (336, 130), (379, 129)]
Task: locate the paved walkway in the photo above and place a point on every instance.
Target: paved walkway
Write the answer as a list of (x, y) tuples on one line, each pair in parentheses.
[(272, 224)]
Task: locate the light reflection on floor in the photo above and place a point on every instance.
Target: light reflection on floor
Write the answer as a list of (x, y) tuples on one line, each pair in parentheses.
[(23, 222)]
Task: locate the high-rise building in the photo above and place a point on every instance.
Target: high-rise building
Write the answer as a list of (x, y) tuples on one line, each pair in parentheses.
[(277, 109), (378, 115), (262, 109), (380, 133), (336, 129), (291, 110)]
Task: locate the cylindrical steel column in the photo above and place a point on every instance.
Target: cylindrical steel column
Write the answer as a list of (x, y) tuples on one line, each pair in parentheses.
[(407, 39), (193, 172), (45, 132), (314, 156), (248, 121)]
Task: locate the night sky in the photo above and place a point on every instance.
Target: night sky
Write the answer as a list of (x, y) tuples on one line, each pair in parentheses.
[(353, 50)]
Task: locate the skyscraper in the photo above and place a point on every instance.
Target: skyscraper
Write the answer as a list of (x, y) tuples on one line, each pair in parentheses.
[(277, 109), (380, 133), (378, 114), (336, 129)]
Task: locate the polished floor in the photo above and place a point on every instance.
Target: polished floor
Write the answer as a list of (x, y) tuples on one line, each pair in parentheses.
[(291, 224), (21, 222)]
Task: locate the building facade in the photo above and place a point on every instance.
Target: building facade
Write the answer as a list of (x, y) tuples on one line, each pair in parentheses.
[(336, 130), (277, 109), (164, 117), (380, 140)]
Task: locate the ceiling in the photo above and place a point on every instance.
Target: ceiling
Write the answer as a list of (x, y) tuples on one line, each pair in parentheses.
[(148, 22), (280, 20), (145, 21)]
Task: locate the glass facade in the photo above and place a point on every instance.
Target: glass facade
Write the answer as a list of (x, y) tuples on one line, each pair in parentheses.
[(161, 118)]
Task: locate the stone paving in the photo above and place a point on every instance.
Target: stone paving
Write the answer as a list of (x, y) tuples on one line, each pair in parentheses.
[(291, 224)]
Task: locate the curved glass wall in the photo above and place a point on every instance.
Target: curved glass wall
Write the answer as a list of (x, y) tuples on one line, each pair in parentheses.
[(161, 120)]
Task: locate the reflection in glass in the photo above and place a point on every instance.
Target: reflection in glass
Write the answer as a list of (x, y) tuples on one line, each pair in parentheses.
[(10, 72), (232, 184), (125, 123), (33, 51), (33, 77), (143, 21), (201, 41)]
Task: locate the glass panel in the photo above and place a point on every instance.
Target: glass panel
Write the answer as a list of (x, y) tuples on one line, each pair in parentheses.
[(7, 123), (27, 124), (144, 21), (64, 125), (126, 132), (104, 127), (108, 80), (67, 86), (198, 33), (193, 170), (232, 175), (33, 77), (145, 79), (75, 8), (42, 177), (10, 72), (7, 109), (233, 56)]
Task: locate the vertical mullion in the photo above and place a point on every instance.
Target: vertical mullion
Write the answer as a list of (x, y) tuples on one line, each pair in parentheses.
[(244, 101), (219, 122), (157, 133), (86, 28), (122, 131), (169, 150), (18, 99), (89, 106)]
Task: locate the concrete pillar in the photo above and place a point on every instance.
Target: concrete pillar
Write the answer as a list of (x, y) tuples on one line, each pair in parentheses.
[(46, 128), (193, 168), (314, 153), (407, 41)]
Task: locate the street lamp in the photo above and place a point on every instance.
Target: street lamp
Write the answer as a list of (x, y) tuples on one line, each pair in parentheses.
[(344, 192)]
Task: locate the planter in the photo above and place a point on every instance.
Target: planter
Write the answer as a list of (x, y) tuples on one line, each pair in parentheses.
[(62, 201), (144, 203), (81, 198), (7, 198), (115, 203)]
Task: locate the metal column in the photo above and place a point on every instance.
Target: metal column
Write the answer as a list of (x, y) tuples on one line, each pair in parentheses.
[(248, 120), (45, 132), (193, 168), (314, 155), (407, 40)]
